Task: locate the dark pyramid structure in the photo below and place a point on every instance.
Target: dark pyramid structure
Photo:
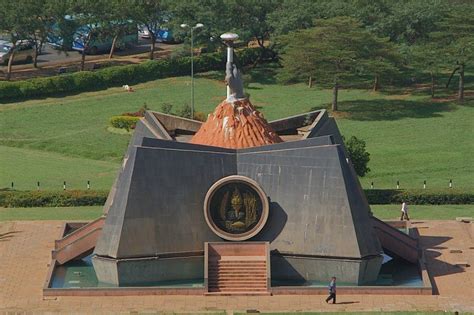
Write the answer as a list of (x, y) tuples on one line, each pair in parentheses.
[(319, 222)]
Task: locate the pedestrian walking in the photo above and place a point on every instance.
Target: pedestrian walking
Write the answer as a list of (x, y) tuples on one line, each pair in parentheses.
[(332, 291), (404, 212)]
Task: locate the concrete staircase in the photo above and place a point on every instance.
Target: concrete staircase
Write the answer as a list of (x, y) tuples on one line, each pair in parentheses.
[(234, 269), (79, 243)]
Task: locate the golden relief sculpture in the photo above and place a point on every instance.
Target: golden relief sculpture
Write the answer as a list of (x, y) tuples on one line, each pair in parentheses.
[(242, 211)]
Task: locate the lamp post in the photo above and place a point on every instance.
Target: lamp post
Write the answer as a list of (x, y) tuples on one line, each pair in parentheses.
[(198, 25)]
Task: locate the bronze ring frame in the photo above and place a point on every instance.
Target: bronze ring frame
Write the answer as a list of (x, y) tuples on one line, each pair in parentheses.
[(261, 222)]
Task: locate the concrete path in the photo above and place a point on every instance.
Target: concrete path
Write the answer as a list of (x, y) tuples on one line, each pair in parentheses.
[(25, 252)]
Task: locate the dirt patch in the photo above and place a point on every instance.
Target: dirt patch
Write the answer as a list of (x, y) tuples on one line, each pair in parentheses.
[(340, 115), (398, 96)]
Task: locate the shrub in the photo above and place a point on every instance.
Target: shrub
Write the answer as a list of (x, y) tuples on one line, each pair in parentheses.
[(139, 113), (200, 116), (185, 112), (419, 197), (118, 75), (166, 108), (75, 198), (124, 122), (358, 155), (68, 198)]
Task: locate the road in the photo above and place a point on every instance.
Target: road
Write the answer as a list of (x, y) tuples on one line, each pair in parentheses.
[(52, 55), (51, 59)]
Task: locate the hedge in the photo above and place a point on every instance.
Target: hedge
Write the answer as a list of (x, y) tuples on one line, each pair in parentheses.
[(419, 197), (119, 75), (72, 198), (68, 198), (124, 122)]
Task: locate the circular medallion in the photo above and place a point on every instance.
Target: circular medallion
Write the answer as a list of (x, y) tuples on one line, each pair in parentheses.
[(236, 208)]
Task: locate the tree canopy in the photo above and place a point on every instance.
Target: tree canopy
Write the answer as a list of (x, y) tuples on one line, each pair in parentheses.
[(334, 52)]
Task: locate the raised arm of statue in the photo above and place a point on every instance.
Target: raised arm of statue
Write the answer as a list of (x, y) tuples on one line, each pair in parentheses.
[(233, 79)]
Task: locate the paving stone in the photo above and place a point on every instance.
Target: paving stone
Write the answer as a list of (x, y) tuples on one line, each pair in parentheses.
[(25, 256)]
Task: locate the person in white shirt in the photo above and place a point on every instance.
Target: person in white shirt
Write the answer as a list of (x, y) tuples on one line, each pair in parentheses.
[(404, 212)]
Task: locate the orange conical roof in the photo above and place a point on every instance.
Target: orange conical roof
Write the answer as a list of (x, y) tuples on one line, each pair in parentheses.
[(235, 125)]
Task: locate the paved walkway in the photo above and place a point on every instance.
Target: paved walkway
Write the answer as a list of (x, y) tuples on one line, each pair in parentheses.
[(25, 252)]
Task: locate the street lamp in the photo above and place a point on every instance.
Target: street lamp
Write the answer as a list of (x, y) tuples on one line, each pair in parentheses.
[(198, 25)]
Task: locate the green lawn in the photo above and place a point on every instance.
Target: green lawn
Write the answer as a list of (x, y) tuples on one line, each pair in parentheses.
[(385, 212), (410, 138), (45, 213), (27, 166), (424, 212)]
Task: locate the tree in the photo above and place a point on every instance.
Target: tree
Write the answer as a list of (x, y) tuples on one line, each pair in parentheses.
[(406, 22), (379, 57), (211, 13), (152, 15), (427, 57), (294, 15), (41, 21), (89, 15), (455, 39), (14, 21), (358, 154), (116, 22), (334, 52), (247, 18)]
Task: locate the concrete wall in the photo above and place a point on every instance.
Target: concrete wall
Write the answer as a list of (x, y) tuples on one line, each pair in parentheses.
[(146, 271), (301, 269)]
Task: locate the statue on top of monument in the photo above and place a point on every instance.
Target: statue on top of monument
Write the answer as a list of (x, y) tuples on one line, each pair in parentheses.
[(233, 77)]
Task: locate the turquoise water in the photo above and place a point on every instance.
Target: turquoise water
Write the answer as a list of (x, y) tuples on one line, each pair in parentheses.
[(81, 274), (394, 273)]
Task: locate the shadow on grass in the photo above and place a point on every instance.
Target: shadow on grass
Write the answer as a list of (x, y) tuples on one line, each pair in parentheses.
[(382, 109)]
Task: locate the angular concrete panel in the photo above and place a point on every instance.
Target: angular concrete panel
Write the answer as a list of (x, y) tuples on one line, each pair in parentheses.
[(319, 221)]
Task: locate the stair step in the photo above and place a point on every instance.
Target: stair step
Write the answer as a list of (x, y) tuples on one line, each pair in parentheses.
[(242, 289), (257, 263), (242, 262), (237, 273), (236, 288), (239, 267), (237, 281), (233, 276)]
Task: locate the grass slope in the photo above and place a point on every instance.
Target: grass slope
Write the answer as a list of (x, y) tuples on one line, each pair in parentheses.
[(424, 212), (410, 138), (25, 167), (385, 212), (72, 213)]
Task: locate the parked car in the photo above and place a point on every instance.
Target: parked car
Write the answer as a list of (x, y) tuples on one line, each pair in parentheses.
[(163, 35), (24, 51), (61, 33), (102, 43)]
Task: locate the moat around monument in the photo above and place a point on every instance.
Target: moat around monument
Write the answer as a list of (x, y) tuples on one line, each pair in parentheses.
[(80, 274)]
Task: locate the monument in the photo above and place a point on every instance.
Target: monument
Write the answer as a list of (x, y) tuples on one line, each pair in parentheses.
[(239, 202)]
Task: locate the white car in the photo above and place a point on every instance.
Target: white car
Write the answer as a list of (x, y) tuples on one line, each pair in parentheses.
[(143, 32)]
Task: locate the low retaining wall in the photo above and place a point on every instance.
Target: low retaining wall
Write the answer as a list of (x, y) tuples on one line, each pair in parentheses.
[(426, 289)]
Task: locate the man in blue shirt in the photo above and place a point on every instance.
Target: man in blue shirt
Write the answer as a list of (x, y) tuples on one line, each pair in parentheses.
[(332, 291)]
